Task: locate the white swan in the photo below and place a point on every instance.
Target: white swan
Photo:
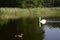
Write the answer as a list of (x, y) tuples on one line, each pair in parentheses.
[(43, 21)]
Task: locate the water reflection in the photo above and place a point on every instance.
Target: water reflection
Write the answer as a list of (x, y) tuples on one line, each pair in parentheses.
[(53, 25), (52, 31), (29, 27)]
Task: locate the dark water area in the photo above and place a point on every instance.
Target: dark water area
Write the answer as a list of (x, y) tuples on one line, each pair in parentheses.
[(30, 29)]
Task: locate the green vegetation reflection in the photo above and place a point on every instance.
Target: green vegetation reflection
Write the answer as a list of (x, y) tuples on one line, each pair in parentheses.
[(28, 26)]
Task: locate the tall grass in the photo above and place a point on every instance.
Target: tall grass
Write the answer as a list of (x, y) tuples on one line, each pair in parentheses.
[(29, 12)]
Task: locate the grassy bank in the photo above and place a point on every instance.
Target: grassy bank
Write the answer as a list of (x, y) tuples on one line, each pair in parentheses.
[(31, 12)]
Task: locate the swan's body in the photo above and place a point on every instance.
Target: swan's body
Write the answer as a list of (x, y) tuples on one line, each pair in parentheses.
[(19, 36), (43, 21)]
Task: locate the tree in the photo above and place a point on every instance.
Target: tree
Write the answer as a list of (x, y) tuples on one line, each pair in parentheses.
[(8, 3)]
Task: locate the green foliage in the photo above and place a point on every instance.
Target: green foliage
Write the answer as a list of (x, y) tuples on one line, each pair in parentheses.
[(1, 12), (29, 3), (20, 3)]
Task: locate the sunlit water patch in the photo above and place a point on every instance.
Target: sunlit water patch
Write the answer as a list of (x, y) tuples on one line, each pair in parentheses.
[(52, 32)]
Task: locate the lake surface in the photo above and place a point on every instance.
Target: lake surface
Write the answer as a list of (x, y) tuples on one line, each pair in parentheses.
[(30, 29), (52, 32)]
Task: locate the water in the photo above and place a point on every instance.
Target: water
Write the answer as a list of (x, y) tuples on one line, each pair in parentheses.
[(51, 32), (52, 29), (30, 29)]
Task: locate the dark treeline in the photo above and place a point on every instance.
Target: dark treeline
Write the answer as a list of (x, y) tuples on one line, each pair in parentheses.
[(29, 3), (51, 3), (8, 3)]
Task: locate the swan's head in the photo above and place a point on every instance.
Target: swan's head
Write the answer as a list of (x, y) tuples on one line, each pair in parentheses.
[(43, 21)]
